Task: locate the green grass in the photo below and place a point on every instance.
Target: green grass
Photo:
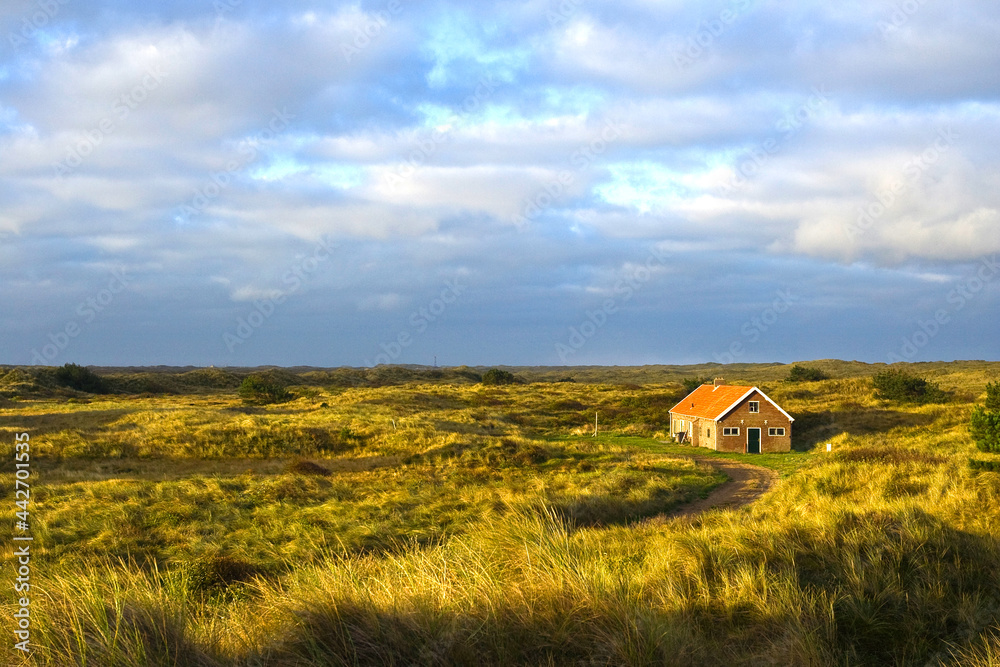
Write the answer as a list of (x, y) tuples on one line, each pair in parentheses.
[(785, 464), (450, 523)]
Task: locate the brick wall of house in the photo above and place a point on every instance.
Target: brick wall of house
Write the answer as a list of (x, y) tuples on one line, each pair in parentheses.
[(768, 417), (706, 433)]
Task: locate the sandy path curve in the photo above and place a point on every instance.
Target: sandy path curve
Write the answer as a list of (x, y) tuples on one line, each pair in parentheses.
[(746, 483)]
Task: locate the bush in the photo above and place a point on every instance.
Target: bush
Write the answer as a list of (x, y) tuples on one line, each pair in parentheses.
[(495, 376), (690, 384), (984, 425), (806, 374), (993, 396), (986, 466), (985, 429), (81, 378), (897, 385), (260, 390)]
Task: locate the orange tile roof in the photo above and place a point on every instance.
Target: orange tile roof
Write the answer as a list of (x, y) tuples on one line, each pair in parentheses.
[(710, 401)]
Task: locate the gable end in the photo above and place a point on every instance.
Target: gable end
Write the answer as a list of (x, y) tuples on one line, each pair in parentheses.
[(747, 395)]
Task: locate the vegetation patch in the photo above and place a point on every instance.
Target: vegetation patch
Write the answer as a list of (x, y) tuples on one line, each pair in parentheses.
[(894, 384), (262, 390), (805, 374), (984, 425), (496, 377), (80, 378), (987, 466), (690, 384), (422, 518)]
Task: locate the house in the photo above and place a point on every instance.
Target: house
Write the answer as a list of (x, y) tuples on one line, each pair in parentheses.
[(730, 418)]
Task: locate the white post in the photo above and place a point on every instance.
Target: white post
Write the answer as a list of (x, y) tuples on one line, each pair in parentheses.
[(595, 423)]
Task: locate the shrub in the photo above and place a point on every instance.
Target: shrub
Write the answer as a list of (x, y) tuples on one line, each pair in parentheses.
[(495, 376), (993, 396), (986, 466), (690, 384), (806, 374), (985, 429), (80, 378), (261, 391), (984, 425), (898, 385)]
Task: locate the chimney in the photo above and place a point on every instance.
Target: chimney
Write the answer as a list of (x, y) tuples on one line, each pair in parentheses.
[(719, 382)]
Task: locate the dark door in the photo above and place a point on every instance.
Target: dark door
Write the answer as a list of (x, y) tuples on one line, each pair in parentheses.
[(753, 441)]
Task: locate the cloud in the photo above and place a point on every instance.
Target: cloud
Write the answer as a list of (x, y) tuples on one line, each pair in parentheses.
[(442, 139), (384, 302)]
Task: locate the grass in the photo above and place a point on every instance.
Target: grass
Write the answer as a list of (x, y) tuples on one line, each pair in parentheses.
[(435, 521), (785, 464)]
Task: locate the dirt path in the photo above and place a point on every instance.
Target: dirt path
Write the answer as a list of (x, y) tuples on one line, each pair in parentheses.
[(746, 484)]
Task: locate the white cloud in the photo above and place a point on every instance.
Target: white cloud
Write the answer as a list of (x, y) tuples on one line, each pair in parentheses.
[(342, 166), (383, 302)]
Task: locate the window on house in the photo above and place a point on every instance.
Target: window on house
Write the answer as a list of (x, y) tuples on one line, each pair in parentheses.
[(754, 406), (731, 431), (776, 431), (708, 433)]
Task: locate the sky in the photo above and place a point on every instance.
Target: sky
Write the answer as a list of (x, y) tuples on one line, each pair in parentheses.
[(531, 182)]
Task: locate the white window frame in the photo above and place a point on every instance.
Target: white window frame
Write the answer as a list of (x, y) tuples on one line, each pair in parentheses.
[(754, 407), (730, 431), (772, 431)]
